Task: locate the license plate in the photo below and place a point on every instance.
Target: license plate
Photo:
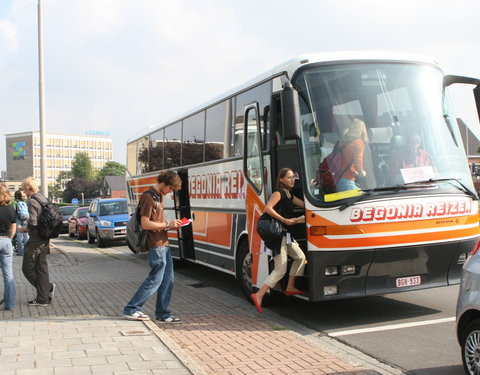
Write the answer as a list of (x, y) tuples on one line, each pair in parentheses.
[(408, 281), (123, 231)]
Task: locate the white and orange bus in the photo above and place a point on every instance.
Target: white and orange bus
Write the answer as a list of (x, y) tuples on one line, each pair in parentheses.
[(404, 228)]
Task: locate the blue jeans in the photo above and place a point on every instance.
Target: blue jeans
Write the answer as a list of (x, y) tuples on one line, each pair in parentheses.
[(345, 184), (6, 261), (160, 280), (22, 239)]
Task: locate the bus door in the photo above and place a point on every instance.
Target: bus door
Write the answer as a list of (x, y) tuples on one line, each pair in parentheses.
[(255, 190), (182, 209)]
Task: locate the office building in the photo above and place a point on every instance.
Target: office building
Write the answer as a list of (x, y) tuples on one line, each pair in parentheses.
[(23, 153)]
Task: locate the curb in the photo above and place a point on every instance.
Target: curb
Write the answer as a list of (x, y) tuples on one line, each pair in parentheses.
[(182, 356)]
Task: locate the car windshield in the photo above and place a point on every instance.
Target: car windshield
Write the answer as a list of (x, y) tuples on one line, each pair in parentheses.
[(113, 208), (393, 120), (82, 212), (67, 210)]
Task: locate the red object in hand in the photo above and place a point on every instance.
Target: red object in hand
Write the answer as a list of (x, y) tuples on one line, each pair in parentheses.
[(185, 221)]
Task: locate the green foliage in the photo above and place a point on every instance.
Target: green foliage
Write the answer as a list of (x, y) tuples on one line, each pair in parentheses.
[(111, 168), (77, 185), (82, 166)]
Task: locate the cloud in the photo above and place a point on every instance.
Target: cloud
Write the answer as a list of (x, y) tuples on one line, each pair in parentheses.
[(8, 37), (122, 65)]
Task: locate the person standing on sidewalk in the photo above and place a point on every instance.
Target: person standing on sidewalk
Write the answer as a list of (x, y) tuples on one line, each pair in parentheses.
[(7, 231), (22, 220), (35, 265), (160, 278)]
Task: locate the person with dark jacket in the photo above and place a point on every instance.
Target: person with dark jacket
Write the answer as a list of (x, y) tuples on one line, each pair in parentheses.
[(7, 231), (35, 266), (280, 207)]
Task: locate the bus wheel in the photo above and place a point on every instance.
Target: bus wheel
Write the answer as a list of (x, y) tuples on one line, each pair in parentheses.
[(244, 269)]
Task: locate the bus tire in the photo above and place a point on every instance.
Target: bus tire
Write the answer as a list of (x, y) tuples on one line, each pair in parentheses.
[(244, 270), (244, 277)]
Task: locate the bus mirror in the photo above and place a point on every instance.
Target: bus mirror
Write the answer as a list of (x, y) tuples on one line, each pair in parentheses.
[(476, 93), (290, 112), (451, 79)]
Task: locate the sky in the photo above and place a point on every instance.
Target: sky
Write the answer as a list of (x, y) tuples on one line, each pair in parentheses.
[(121, 66)]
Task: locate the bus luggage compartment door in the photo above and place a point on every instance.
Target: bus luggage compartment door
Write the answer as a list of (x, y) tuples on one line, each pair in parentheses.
[(415, 267)]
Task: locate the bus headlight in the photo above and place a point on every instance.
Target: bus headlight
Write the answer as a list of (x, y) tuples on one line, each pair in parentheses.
[(331, 270), (330, 290), (349, 270)]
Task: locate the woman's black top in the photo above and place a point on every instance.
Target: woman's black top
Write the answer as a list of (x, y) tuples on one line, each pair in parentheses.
[(284, 208), (7, 217)]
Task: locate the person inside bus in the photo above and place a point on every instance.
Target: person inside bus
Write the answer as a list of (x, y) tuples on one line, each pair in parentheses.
[(353, 142), (280, 207), (412, 155)]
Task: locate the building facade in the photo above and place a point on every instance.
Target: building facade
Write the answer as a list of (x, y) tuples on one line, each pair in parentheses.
[(23, 153)]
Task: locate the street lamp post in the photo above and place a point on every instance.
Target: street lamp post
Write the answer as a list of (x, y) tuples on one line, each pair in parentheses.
[(41, 96)]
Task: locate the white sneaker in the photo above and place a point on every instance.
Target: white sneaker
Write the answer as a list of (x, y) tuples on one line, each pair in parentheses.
[(137, 315), (170, 319)]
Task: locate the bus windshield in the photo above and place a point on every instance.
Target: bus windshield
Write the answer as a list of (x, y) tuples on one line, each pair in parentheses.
[(391, 122)]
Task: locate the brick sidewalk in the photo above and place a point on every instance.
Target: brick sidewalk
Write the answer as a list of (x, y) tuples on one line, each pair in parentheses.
[(220, 334), (237, 344)]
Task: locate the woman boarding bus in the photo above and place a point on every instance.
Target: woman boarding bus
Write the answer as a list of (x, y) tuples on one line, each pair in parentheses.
[(395, 229)]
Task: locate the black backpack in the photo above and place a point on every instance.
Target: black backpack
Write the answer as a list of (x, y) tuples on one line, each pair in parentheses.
[(50, 220), (136, 236)]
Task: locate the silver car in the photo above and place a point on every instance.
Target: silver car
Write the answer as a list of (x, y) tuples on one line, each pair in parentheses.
[(468, 313)]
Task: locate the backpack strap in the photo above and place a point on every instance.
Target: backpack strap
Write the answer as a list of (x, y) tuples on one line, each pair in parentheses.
[(43, 204)]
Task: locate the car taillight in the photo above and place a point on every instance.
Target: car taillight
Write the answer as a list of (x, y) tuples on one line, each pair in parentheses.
[(475, 249)]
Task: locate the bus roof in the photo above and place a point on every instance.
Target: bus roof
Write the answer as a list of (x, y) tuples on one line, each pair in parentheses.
[(289, 67)]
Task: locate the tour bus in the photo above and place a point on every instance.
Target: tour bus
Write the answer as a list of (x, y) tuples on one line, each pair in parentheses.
[(401, 229)]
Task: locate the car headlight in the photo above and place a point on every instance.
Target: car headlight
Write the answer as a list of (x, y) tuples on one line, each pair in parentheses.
[(106, 223)]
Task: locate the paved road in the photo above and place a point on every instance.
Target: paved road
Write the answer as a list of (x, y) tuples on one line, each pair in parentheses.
[(414, 331), (220, 334)]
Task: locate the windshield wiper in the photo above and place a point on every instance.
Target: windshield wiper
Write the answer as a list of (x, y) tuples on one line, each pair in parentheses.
[(369, 192), (465, 189)]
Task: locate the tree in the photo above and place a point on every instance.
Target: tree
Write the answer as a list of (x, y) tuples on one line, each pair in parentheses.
[(78, 185), (82, 166), (111, 168)]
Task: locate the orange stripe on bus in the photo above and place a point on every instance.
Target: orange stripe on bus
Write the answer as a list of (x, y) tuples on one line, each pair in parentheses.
[(393, 240)]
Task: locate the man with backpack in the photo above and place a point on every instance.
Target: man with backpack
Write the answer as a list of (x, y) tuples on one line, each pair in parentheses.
[(35, 266), (22, 216), (160, 278)]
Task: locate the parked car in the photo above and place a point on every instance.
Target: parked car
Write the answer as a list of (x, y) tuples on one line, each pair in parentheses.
[(66, 211), (77, 223), (107, 220), (468, 313)]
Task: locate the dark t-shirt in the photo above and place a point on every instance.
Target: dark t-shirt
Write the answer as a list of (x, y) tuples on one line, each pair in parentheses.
[(7, 217), (154, 211)]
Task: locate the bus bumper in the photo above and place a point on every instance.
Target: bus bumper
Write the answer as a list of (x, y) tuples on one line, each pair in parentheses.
[(356, 273)]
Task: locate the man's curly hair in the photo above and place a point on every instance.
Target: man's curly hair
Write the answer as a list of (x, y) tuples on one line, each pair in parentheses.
[(170, 178)]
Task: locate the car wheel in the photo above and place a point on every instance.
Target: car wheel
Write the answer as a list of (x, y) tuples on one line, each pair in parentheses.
[(91, 240), (470, 342), (101, 241)]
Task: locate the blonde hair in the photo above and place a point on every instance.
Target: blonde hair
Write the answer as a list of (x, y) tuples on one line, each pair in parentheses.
[(5, 196), (30, 184), (358, 130)]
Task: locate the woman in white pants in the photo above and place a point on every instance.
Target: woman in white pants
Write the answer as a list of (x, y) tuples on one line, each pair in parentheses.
[(280, 207)]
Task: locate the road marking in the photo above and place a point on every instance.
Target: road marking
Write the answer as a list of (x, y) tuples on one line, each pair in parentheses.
[(390, 327)]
